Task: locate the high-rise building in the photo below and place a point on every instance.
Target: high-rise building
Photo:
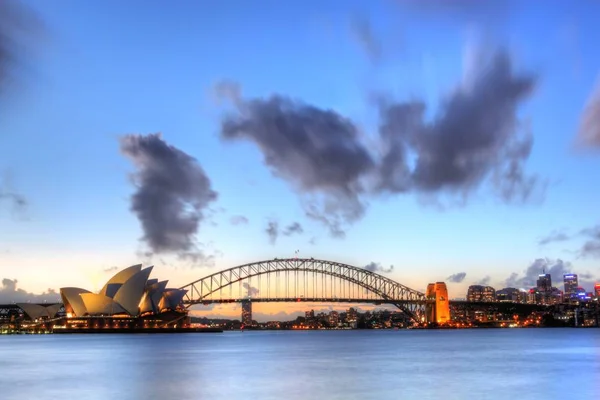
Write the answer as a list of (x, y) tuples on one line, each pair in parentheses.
[(334, 318), (247, 312), (571, 284), (597, 289), (544, 282), (481, 293), (508, 294)]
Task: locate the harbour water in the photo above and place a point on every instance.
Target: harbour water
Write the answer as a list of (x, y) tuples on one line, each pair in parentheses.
[(362, 364)]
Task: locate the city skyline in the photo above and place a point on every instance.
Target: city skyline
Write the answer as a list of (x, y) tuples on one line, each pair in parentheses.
[(88, 184)]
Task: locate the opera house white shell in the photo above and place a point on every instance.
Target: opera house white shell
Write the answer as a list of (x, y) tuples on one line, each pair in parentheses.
[(129, 292)]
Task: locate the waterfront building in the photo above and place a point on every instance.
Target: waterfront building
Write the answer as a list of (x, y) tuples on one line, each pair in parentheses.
[(508, 295), (129, 292), (481, 293), (247, 312), (571, 284), (334, 318)]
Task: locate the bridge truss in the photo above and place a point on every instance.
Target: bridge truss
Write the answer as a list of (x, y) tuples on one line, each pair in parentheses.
[(303, 279)]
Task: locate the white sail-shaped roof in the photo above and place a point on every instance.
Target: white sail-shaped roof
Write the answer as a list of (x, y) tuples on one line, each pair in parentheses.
[(171, 299), (151, 282), (97, 304), (33, 311), (52, 310), (130, 294), (72, 300), (121, 277), (152, 296)]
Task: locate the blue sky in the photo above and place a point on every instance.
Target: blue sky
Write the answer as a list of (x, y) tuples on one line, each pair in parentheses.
[(108, 69)]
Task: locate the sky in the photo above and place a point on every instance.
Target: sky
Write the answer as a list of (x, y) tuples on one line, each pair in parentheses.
[(452, 140)]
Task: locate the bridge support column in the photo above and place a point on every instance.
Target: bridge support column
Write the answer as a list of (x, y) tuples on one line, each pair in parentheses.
[(438, 307)]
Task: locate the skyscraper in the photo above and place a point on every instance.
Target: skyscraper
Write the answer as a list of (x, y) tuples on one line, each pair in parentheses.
[(571, 284), (544, 282), (597, 289), (247, 312)]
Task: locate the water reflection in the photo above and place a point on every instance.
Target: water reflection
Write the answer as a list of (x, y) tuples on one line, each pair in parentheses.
[(490, 364)]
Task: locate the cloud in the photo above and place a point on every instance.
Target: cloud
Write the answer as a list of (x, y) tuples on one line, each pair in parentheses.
[(485, 281), (366, 39), (227, 90), (272, 231), (555, 236), (20, 29), (172, 193), (457, 278), (238, 220), (16, 200), (9, 293), (110, 269), (556, 269), (294, 228), (376, 267), (317, 151), (588, 135), (591, 248), (475, 138), (252, 291)]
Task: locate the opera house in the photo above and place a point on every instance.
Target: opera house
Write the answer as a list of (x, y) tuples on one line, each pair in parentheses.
[(128, 300)]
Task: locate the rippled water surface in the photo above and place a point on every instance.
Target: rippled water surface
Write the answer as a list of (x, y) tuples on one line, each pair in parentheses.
[(468, 364)]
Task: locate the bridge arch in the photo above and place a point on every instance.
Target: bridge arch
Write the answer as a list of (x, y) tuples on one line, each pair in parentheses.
[(381, 288)]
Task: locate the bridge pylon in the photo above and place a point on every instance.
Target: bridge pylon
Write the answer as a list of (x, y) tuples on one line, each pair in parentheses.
[(438, 306)]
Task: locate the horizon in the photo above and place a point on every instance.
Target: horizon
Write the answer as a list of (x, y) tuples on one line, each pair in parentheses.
[(438, 143)]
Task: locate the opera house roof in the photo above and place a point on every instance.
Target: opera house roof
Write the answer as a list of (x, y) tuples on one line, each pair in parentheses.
[(128, 292)]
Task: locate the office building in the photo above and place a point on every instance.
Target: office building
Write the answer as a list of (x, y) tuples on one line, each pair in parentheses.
[(544, 282), (247, 312), (481, 293), (509, 295), (571, 284)]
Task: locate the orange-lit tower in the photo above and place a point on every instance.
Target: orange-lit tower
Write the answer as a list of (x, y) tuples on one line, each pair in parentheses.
[(438, 312)]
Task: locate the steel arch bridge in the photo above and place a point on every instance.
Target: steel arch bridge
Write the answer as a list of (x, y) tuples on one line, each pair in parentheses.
[(303, 279)]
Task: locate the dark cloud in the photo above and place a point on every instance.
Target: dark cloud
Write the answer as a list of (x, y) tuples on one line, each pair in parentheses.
[(20, 29), (591, 248), (556, 269), (294, 228), (16, 200), (239, 220), (589, 128), (457, 278), (555, 236), (252, 291), (485, 281), (318, 151), (376, 267), (9, 293), (272, 231), (110, 269), (172, 194), (363, 33), (475, 138), (9, 196)]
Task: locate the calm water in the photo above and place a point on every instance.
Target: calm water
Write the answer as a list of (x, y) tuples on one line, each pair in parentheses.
[(469, 364)]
